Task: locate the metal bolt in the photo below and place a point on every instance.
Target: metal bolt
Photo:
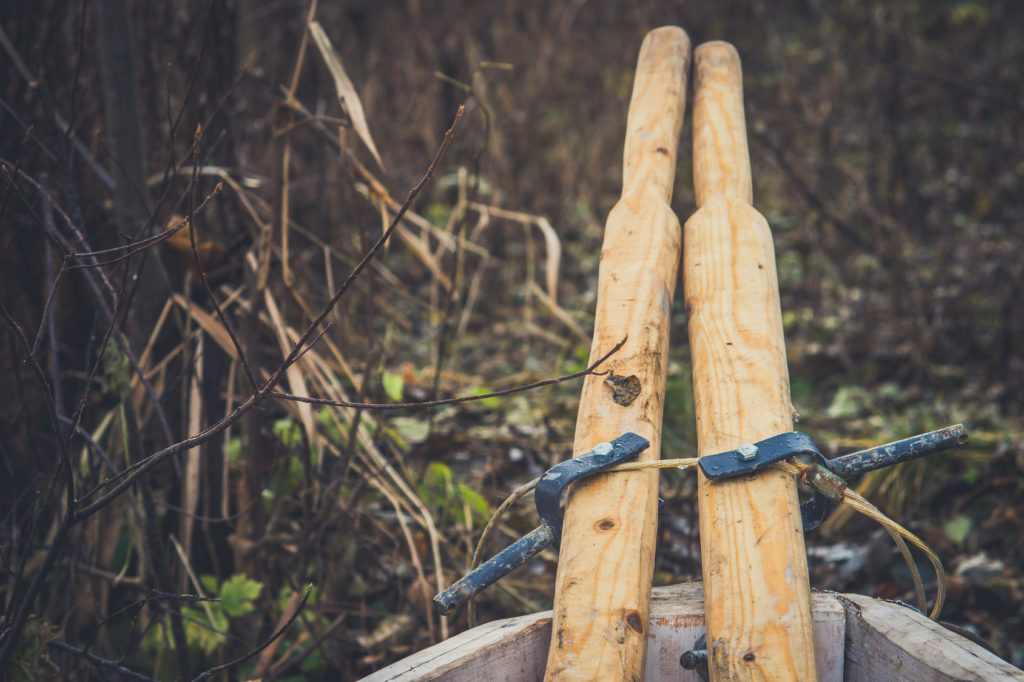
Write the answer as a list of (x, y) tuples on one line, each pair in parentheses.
[(747, 451), (691, 660), (603, 449), (697, 658)]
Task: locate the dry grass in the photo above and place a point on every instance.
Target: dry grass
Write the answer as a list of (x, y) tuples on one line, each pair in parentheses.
[(889, 170)]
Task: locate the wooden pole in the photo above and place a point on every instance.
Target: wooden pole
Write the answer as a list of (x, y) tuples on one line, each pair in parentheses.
[(756, 587), (602, 590)]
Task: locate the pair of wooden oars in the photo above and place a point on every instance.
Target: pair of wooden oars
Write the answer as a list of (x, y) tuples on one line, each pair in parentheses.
[(757, 594)]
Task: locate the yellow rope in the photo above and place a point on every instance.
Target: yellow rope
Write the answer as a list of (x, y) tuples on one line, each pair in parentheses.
[(898, 533)]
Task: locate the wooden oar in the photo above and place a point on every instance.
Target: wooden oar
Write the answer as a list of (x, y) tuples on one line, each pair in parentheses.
[(756, 588), (602, 592)]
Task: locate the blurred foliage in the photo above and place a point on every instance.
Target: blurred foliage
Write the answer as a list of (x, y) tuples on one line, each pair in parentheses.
[(886, 143), (207, 627)]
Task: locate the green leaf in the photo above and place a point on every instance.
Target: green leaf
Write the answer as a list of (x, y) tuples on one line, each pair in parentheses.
[(847, 403), (292, 477), (411, 429), (125, 549), (438, 214), (200, 632), (312, 663), (491, 402), (959, 528), (237, 594), (288, 432), (209, 585), (438, 476), (580, 362), (970, 13), (329, 425), (393, 385), (801, 388), (519, 413), (475, 501), (234, 449)]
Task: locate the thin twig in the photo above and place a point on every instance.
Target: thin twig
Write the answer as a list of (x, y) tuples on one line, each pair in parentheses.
[(128, 476), (112, 330), (102, 662), (261, 647), (142, 244), (449, 136), (284, 666), (46, 318), (51, 409), (452, 401), (193, 242), (43, 194), (101, 301), (813, 199)]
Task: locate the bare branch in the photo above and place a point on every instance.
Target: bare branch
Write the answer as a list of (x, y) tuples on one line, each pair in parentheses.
[(449, 136), (262, 646), (102, 662), (452, 401), (129, 475), (193, 242)]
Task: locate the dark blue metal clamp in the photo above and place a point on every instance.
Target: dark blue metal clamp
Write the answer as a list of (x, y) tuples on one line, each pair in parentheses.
[(827, 475), (548, 498)]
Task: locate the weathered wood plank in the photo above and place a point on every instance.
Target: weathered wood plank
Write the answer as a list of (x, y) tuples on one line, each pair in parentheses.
[(510, 650), (605, 565), (752, 549), (891, 642), (856, 639), (515, 649)]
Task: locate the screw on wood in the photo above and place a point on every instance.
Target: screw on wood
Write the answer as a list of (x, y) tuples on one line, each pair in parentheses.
[(697, 658)]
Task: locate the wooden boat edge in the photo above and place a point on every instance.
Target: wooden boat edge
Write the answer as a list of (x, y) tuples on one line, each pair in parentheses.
[(857, 638)]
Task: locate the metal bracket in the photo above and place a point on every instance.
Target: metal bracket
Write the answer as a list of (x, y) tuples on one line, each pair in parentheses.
[(828, 474), (548, 494), (744, 460), (751, 458), (548, 499)]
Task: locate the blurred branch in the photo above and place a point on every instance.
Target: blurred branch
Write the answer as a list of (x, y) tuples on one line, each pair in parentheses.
[(267, 642), (452, 401), (813, 199), (102, 662), (129, 475)]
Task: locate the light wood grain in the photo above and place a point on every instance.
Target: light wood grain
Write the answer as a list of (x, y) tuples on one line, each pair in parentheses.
[(677, 621), (606, 558), (510, 650), (890, 642), (515, 649), (752, 549), (856, 638)]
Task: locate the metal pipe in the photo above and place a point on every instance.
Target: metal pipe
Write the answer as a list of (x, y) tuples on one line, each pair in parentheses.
[(899, 451)]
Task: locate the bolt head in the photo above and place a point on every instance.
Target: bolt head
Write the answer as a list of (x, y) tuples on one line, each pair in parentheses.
[(747, 451), (603, 449)]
